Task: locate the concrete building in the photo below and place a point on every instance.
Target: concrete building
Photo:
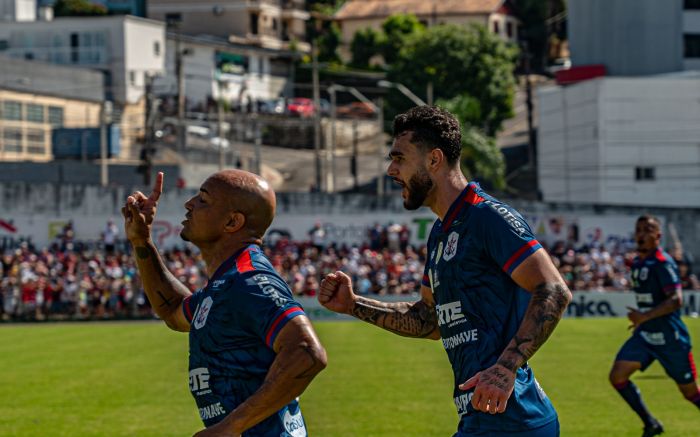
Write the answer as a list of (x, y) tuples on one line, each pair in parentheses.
[(495, 15), (17, 10), (213, 68), (36, 98), (621, 141), (635, 37), (124, 48), (272, 24)]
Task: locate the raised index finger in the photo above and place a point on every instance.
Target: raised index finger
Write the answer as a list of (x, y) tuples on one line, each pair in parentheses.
[(157, 187)]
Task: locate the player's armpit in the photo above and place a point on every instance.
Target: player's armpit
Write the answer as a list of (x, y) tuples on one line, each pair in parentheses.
[(409, 319), (177, 321)]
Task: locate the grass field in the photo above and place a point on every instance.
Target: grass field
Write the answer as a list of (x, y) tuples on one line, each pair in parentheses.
[(130, 379)]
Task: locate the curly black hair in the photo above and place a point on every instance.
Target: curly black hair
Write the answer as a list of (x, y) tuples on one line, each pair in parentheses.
[(432, 127)]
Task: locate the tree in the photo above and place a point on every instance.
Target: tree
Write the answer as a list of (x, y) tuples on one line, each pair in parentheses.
[(396, 29), (533, 15), (328, 43), (459, 60), (81, 8), (365, 44), (481, 158)]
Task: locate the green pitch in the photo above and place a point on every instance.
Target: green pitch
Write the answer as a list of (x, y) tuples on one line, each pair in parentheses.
[(130, 379)]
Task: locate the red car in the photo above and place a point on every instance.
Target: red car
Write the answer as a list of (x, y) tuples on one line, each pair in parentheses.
[(301, 107)]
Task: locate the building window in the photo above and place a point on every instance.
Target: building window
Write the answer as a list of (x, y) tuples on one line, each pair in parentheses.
[(55, 116), (12, 110), (254, 24), (12, 140), (35, 113), (156, 48), (274, 24), (691, 41), (132, 77), (691, 4), (645, 173), (496, 27), (36, 142), (74, 48), (4, 45), (509, 29)]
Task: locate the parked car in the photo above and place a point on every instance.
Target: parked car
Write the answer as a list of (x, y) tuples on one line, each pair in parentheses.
[(272, 106), (300, 107), (356, 110)]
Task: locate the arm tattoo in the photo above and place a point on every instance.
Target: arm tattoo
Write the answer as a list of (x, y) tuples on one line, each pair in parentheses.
[(166, 302), (403, 318), (312, 369), (549, 300), (146, 252), (142, 252)]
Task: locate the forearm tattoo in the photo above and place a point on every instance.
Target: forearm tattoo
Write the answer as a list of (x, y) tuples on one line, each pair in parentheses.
[(549, 300), (146, 252), (408, 319)]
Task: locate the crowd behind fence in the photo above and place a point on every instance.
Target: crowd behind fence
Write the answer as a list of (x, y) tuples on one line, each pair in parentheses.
[(71, 280)]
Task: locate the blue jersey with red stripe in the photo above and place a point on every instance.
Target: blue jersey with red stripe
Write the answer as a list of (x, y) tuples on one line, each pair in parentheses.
[(234, 321), (654, 279), (471, 255)]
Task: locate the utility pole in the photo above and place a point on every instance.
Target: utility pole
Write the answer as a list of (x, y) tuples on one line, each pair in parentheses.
[(105, 120), (353, 162), (531, 140), (330, 150), (317, 114), (258, 145), (380, 149), (179, 73), (220, 125), (148, 149)]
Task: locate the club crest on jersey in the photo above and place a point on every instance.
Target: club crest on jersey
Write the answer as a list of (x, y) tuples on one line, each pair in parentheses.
[(451, 247), (200, 316)]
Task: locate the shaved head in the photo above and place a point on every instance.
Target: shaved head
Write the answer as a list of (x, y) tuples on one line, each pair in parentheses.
[(249, 194)]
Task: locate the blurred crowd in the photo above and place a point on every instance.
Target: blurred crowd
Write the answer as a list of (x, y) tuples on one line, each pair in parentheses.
[(70, 280)]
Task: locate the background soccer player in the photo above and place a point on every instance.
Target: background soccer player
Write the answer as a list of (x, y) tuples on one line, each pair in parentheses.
[(482, 258), (252, 349), (659, 332)]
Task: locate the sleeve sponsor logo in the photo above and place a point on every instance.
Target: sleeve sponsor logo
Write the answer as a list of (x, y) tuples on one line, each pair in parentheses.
[(265, 284), (294, 424), (672, 273), (211, 411), (508, 216), (202, 312), (199, 381)]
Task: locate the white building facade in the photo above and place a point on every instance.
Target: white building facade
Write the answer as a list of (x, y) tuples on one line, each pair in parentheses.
[(621, 141), (125, 48)]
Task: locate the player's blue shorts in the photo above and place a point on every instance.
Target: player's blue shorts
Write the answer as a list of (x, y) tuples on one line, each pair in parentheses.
[(676, 359), (549, 430)]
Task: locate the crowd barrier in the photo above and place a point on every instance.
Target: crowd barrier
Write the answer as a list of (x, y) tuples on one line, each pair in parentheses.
[(583, 304)]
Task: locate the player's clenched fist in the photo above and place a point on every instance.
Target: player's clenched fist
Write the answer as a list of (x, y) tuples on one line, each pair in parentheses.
[(336, 293), (139, 212)]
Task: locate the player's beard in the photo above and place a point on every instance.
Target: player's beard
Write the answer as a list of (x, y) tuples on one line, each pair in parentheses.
[(418, 188)]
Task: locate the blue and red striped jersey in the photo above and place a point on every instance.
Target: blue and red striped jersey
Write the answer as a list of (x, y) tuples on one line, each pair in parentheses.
[(654, 279), (234, 321), (471, 255)]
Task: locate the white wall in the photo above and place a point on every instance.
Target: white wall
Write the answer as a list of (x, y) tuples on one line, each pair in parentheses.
[(593, 135), (141, 55), (568, 150)]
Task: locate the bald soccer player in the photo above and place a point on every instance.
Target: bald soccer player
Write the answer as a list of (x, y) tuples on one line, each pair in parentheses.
[(253, 351)]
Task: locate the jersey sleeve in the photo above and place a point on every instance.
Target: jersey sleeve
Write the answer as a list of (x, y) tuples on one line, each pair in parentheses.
[(265, 303), (189, 305), (668, 277), (505, 236)]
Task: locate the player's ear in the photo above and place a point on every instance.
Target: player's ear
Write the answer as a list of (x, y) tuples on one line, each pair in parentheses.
[(236, 221), (435, 158)]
